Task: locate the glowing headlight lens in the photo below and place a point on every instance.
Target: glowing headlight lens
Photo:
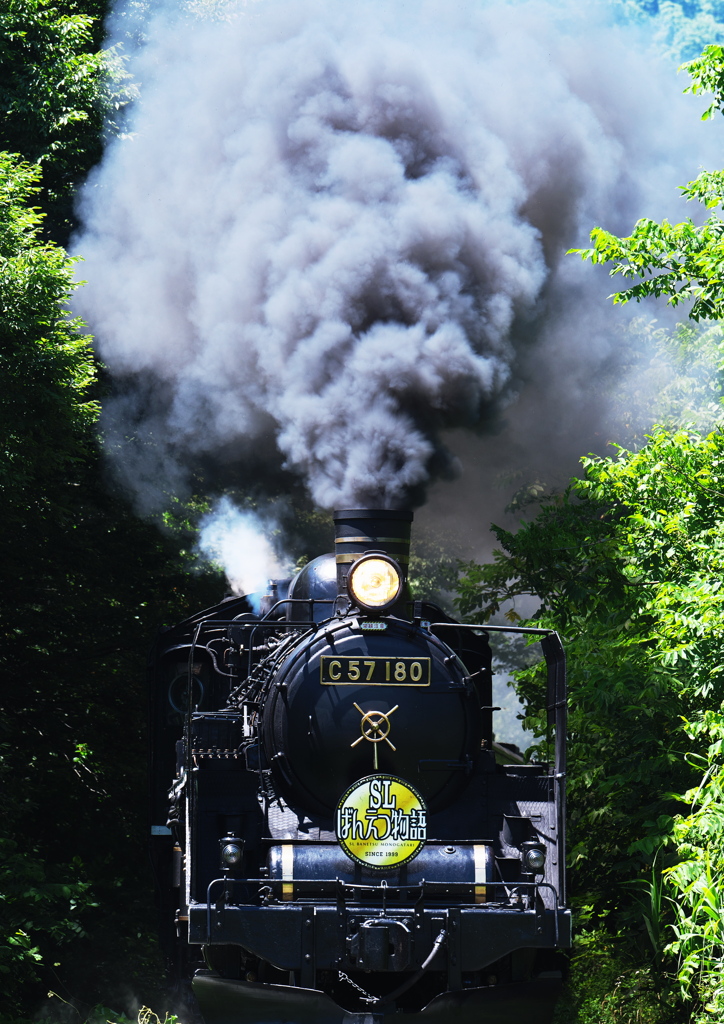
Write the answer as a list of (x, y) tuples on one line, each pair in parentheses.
[(374, 582)]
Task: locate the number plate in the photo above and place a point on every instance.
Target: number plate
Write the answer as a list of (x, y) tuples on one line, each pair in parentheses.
[(345, 671)]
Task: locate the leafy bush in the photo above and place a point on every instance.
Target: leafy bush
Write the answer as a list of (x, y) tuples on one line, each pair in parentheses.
[(696, 882), (35, 903), (608, 985), (60, 94), (85, 586), (628, 565)]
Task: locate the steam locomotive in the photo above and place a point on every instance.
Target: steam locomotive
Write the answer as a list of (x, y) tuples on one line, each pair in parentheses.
[(344, 840)]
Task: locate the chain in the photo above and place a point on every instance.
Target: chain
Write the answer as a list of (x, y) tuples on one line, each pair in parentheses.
[(366, 997)]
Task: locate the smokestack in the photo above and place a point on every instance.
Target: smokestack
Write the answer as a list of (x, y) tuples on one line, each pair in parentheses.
[(360, 531)]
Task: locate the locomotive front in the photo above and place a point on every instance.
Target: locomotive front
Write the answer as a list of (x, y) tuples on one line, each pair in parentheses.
[(343, 842)]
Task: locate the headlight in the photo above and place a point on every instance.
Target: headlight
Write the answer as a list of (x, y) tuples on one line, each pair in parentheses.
[(375, 582)]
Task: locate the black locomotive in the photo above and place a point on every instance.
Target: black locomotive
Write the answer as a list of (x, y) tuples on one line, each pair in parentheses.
[(343, 843)]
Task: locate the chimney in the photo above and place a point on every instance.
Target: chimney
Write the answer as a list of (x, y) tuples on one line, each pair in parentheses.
[(386, 531)]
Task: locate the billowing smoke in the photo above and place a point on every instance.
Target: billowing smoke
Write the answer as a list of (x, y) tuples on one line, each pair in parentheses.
[(336, 231), (239, 542)]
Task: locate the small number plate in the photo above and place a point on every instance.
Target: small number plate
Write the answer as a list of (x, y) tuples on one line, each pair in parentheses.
[(346, 671)]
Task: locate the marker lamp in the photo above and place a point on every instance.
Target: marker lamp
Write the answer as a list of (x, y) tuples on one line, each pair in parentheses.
[(375, 582), (231, 854), (534, 860)]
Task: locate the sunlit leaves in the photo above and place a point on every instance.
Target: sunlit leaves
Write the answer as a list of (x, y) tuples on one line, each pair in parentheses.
[(59, 93), (682, 262), (707, 76), (46, 363), (679, 261), (696, 882), (33, 904)]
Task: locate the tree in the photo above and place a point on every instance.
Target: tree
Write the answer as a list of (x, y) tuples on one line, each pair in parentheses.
[(46, 363), (628, 564), (681, 261), (679, 28), (85, 587), (696, 881), (59, 95)]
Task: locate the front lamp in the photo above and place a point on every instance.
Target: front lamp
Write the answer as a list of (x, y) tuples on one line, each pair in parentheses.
[(375, 582)]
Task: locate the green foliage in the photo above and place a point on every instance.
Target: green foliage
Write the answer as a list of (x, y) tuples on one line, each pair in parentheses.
[(32, 905), (57, 91), (652, 911), (707, 74), (628, 565), (46, 362), (608, 985), (101, 1014), (433, 567), (673, 378), (696, 882), (85, 587), (147, 1016), (680, 261)]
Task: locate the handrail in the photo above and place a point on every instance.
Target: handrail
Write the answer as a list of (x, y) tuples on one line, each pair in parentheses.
[(485, 627), (386, 887)]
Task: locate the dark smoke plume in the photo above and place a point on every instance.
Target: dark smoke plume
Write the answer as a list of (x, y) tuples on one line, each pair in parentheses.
[(337, 228)]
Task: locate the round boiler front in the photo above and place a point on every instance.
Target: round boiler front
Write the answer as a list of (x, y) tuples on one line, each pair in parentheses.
[(351, 701)]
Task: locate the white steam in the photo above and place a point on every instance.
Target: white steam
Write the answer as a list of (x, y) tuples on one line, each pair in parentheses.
[(238, 541), (338, 225)]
